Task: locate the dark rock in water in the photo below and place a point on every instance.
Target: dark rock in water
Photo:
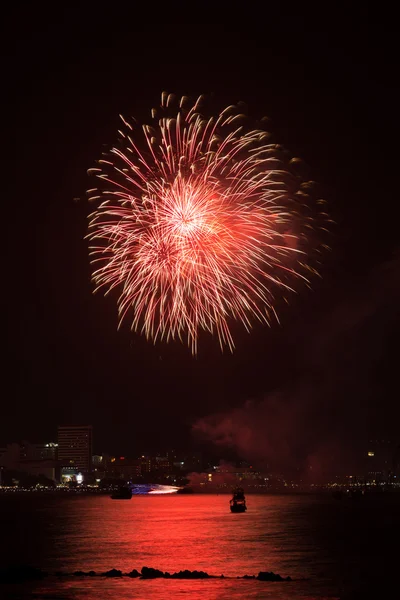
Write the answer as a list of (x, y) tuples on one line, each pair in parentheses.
[(150, 573), (134, 573), (190, 575), (26, 573), (112, 573), (21, 573), (269, 576)]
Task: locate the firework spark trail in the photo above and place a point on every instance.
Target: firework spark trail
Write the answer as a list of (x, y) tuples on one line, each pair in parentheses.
[(199, 223)]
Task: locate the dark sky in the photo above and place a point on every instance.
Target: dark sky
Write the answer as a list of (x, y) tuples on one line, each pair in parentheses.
[(328, 82)]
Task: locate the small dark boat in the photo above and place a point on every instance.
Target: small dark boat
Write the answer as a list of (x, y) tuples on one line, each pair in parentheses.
[(238, 501), (124, 493)]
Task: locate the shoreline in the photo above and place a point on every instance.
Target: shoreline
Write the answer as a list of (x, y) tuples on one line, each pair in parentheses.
[(97, 492)]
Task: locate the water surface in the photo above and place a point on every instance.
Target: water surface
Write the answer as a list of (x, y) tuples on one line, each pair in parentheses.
[(336, 546)]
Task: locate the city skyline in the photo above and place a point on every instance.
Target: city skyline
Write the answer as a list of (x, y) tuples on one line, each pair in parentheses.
[(72, 456)]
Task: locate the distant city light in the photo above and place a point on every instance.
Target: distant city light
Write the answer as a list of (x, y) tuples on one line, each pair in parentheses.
[(79, 478), (371, 453)]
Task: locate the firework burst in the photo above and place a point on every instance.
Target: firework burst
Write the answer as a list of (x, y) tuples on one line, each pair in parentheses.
[(200, 221)]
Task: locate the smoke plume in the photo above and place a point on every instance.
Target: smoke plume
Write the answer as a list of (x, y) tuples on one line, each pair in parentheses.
[(317, 423)]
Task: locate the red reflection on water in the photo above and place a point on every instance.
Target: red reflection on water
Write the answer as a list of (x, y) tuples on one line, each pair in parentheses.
[(195, 532), (176, 532)]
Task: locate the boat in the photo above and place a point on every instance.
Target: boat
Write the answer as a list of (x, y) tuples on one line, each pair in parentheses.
[(238, 501), (123, 493)]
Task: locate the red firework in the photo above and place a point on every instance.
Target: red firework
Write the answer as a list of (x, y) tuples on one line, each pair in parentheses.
[(201, 221)]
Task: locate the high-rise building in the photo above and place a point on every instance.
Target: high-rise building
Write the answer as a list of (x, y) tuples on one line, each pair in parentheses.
[(160, 463), (145, 464), (124, 467), (75, 447), (30, 451), (34, 459)]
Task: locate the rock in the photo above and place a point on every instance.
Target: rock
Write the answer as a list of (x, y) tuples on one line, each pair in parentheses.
[(150, 573), (25, 573), (134, 573), (112, 573), (270, 576), (190, 575), (201, 575)]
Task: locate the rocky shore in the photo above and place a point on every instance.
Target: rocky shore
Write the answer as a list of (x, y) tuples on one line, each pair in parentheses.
[(25, 573)]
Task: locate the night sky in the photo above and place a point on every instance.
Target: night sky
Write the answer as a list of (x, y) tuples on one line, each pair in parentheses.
[(328, 82)]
